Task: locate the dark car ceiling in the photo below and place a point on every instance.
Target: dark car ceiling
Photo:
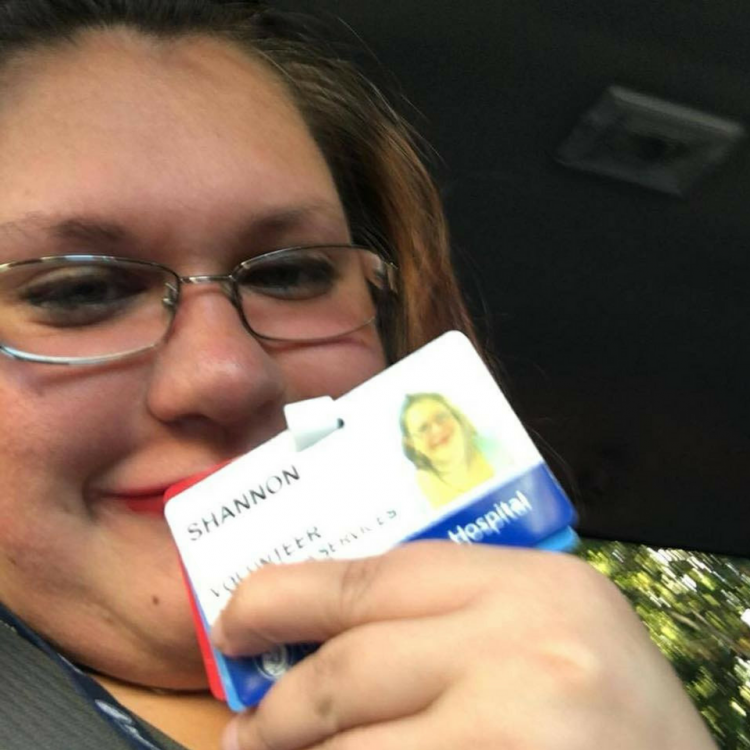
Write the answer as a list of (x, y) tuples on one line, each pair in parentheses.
[(619, 315)]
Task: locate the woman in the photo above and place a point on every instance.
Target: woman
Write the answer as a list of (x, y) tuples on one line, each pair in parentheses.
[(198, 135), (444, 446)]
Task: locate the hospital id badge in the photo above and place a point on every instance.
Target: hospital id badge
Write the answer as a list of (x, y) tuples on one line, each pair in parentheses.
[(427, 449)]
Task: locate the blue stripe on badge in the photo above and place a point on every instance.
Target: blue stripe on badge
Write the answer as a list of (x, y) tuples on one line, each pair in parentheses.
[(527, 511), (251, 677)]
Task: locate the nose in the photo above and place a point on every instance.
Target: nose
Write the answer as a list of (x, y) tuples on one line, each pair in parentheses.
[(210, 375), (432, 428)]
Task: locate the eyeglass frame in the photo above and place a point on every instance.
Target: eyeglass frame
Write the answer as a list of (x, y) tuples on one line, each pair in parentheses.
[(232, 293)]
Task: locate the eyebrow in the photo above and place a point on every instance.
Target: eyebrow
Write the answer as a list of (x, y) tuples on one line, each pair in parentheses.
[(78, 228), (91, 231), (72, 227), (84, 230)]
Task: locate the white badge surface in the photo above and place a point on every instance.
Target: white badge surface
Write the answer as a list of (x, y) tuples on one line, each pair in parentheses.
[(429, 448)]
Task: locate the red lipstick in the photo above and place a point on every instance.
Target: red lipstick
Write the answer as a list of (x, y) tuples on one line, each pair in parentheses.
[(148, 504)]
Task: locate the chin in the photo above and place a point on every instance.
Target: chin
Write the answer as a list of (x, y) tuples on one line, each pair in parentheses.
[(171, 666), (172, 654), (177, 666), (152, 642)]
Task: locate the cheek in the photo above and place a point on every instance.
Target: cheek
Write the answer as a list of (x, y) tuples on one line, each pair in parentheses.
[(333, 368), (56, 429), (62, 422)]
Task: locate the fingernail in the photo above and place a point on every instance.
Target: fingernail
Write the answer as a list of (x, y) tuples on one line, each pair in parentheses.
[(230, 740), (218, 636)]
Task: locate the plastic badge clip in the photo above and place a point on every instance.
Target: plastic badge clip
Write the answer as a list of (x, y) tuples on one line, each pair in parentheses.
[(312, 420)]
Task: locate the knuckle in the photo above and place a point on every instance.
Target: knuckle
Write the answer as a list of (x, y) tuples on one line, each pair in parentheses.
[(576, 668), (357, 582), (328, 667)]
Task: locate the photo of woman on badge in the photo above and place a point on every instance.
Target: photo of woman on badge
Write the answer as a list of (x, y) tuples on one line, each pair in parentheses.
[(206, 214), (444, 447)]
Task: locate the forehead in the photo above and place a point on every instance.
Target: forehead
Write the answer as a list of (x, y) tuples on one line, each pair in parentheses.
[(424, 410), (167, 133)]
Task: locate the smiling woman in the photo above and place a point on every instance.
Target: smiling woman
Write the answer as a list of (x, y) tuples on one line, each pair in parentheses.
[(443, 445), (156, 152)]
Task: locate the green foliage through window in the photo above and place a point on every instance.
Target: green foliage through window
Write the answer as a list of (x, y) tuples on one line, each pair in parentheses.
[(696, 607)]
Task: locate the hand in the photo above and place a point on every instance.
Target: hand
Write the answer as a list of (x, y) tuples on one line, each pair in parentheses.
[(445, 647)]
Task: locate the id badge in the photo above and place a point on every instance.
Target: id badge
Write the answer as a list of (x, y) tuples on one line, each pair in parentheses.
[(427, 449)]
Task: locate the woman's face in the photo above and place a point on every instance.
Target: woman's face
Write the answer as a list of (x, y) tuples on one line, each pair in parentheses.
[(190, 154), (434, 432)]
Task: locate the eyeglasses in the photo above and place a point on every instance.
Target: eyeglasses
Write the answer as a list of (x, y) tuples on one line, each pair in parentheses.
[(91, 309), (435, 420)]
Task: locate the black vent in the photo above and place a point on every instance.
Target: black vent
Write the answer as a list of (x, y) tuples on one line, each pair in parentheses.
[(649, 141)]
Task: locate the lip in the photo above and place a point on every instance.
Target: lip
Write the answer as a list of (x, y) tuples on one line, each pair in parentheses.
[(150, 502), (144, 500), (440, 443)]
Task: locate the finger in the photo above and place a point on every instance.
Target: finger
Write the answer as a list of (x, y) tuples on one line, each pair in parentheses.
[(416, 732), (313, 601), (374, 673)]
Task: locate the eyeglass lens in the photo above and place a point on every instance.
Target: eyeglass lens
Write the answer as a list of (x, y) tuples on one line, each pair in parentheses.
[(92, 308)]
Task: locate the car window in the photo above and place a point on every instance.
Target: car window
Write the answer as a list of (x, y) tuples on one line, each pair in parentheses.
[(696, 607)]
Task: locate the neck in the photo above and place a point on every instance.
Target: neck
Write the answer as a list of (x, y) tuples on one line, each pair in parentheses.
[(194, 719), (455, 470), (461, 476)]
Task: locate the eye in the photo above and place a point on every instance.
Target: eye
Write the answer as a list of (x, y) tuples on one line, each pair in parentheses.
[(295, 276), (82, 295)]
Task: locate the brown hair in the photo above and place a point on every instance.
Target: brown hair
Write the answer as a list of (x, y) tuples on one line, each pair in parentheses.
[(391, 201)]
